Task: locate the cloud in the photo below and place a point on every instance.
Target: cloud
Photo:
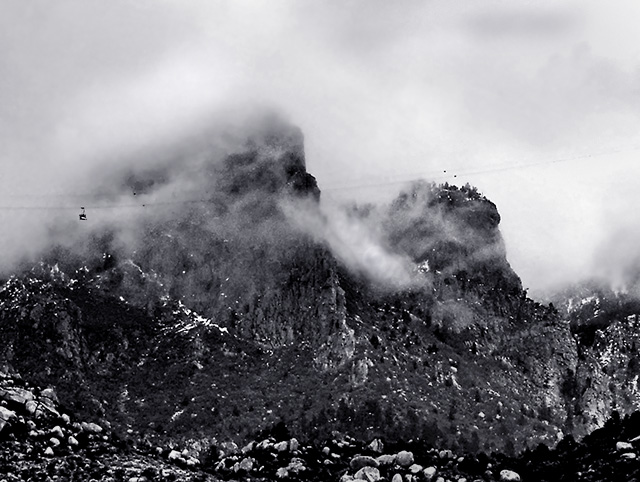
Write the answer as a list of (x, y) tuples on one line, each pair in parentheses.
[(356, 240), (382, 90), (517, 21)]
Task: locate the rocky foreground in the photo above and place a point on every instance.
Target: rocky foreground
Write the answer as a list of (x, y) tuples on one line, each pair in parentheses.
[(41, 441)]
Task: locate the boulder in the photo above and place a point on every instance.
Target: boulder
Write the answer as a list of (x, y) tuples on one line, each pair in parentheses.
[(416, 469), (621, 446), (294, 444), (404, 458), (93, 428), (429, 473), (386, 459), (629, 456), (282, 473), (16, 395), (57, 432), (246, 465), (360, 461), (509, 476), (377, 446), (228, 448), (281, 446), (265, 444), (248, 448), (296, 466), (397, 478), (31, 406), (446, 454), (6, 415), (54, 442), (368, 474), (49, 452), (72, 441), (174, 455), (49, 397)]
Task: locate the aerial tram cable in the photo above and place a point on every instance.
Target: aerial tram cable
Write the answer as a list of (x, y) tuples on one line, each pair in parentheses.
[(418, 177)]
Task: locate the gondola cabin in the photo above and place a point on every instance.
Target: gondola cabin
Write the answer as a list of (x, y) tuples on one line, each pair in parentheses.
[(83, 214)]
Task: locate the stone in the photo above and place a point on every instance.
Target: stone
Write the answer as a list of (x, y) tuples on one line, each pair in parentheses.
[(282, 473), (360, 461), (621, 446), (386, 459), (416, 469), (368, 474), (429, 473), (16, 395), (228, 448), (377, 446), (192, 462), (509, 476), (6, 416), (265, 444), (294, 445), (628, 456), (248, 448), (296, 466), (346, 478), (57, 432), (65, 419), (174, 455), (91, 427), (404, 458), (281, 446), (49, 394), (54, 442), (49, 452), (397, 478), (245, 465), (49, 399), (446, 454), (72, 441), (31, 406), (326, 450)]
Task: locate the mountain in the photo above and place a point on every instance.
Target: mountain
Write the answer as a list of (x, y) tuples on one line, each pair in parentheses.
[(236, 303)]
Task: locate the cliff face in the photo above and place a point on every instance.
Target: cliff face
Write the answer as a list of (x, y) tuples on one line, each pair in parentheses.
[(220, 317), (605, 326)]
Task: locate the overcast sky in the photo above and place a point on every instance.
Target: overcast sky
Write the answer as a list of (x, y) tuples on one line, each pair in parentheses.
[(493, 92)]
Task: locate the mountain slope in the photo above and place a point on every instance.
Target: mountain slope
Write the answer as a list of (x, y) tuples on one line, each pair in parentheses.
[(220, 315)]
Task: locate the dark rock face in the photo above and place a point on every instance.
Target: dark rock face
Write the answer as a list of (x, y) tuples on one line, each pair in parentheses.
[(219, 318)]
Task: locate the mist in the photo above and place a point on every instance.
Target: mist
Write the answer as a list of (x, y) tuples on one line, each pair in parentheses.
[(357, 241), (536, 107)]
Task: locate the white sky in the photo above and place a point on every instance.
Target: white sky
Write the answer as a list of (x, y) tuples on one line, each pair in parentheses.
[(384, 91)]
